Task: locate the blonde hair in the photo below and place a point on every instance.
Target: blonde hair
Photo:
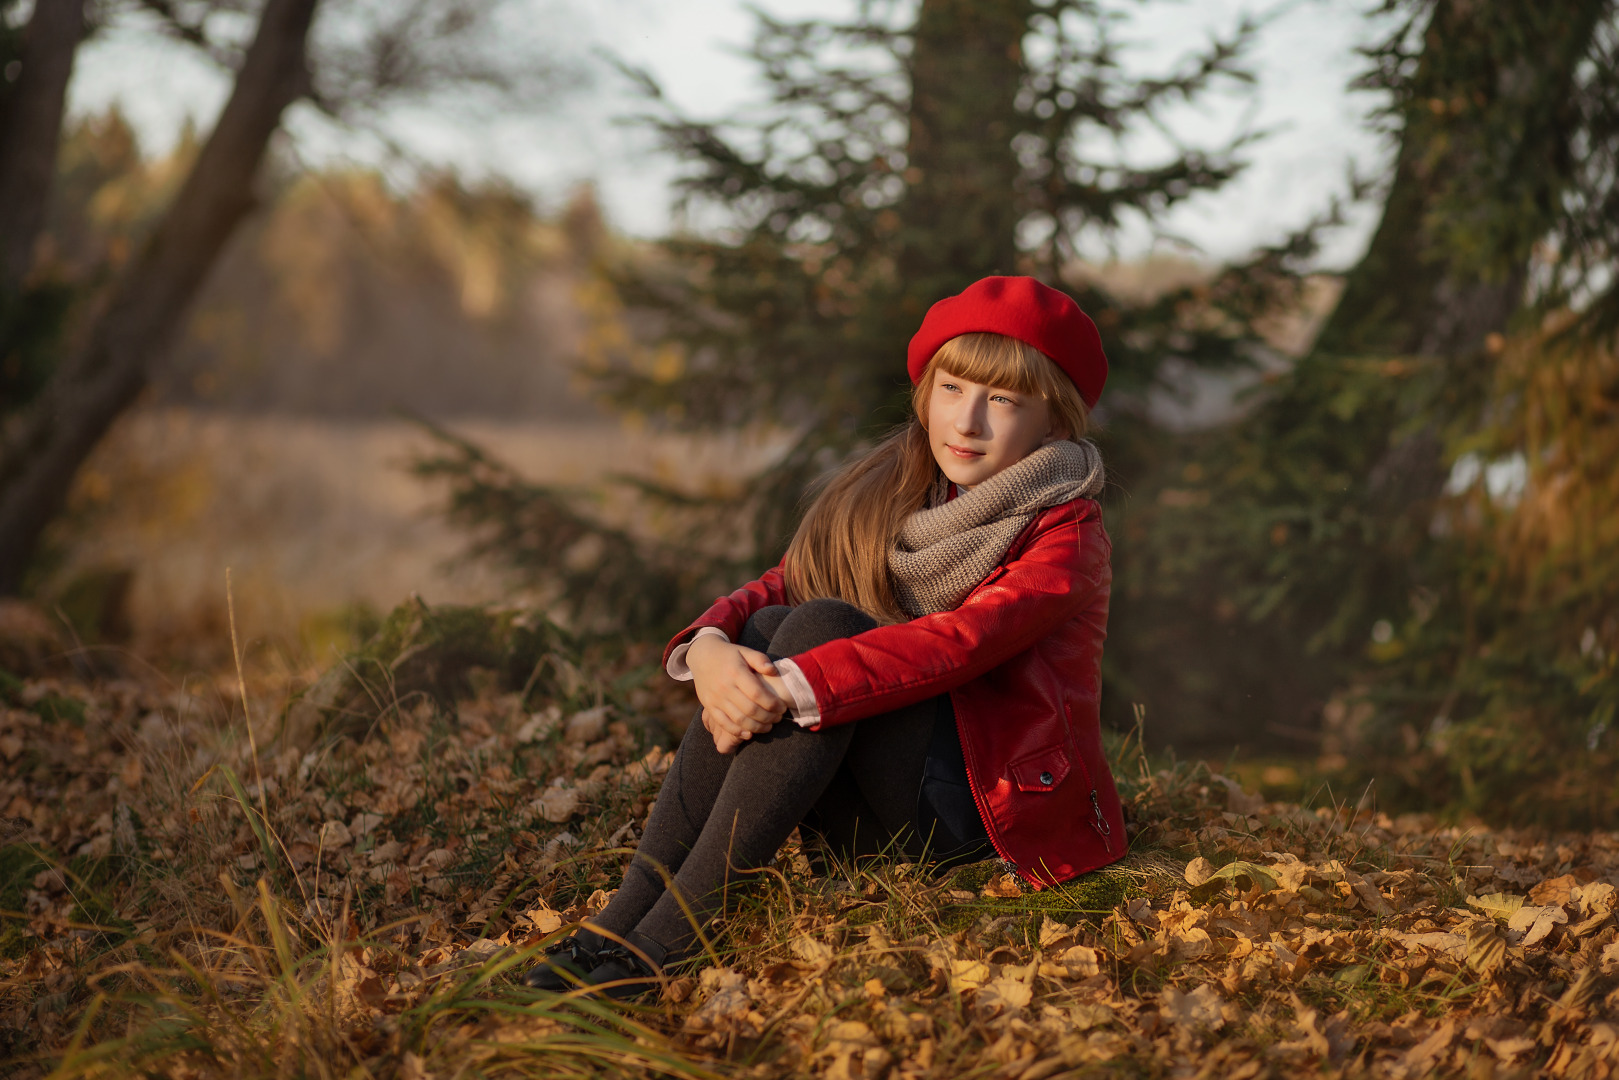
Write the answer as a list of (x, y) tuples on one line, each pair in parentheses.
[(841, 547)]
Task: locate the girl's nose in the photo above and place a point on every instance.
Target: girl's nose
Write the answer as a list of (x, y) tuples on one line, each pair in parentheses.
[(970, 418)]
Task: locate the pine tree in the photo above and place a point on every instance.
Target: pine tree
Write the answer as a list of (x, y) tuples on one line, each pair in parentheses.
[(898, 164), (1327, 534)]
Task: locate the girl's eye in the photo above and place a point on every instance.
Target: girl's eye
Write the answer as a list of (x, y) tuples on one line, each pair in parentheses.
[(1003, 397)]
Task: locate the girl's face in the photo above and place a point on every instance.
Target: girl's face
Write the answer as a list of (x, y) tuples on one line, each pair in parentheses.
[(976, 430)]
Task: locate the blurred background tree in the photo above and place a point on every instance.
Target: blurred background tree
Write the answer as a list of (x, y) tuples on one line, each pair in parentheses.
[(900, 156), (64, 390), (1391, 554), (1333, 553), (1433, 618)]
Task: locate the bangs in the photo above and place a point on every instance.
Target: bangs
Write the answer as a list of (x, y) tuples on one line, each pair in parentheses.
[(1010, 364), (998, 360)]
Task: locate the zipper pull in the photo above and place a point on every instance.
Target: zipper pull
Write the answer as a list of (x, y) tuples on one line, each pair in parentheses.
[(1099, 823)]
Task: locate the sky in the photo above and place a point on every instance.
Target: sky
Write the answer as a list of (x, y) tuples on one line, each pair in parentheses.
[(577, 133)]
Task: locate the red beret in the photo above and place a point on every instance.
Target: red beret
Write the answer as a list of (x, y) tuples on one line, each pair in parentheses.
[(1022, 308)]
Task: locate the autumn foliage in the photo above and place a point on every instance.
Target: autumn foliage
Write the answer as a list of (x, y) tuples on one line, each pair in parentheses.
[(363, 903)]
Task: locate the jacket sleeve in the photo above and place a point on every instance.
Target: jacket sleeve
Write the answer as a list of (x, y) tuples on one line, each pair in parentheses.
[(730, 613), (1052, 579)]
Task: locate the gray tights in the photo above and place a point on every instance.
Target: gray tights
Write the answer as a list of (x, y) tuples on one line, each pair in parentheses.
[(721, 815)]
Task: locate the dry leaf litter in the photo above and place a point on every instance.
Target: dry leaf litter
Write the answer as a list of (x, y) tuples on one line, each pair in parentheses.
[(415, 872)]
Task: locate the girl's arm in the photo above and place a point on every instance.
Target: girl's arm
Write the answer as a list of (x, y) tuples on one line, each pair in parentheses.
[(1056, 577), (741, 692)]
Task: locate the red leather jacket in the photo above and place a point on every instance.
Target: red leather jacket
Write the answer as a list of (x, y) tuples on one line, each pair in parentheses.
[(1021, 658)]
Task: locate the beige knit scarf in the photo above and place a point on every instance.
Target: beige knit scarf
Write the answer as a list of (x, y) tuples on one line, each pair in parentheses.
[(943, 552)]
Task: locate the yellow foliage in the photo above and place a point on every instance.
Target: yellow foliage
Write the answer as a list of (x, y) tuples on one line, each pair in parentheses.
[(1566, 526)]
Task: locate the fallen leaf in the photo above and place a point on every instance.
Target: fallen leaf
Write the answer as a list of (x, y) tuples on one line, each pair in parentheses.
[(1497, 905), (854, 1052), (1246, 876), (335, 834), (1424, 1055), (728, 1009), (812, 950), (587, 726), (1051, 930), (1435, 941), (968, 974), (1510, 1048), (1597, 898), (1286, 956), (364, 824), (1590, 926), (1081, 961), (393, 851), (1003, 995), (1003, 886), (1198, 871), (1555, 890), (539, 725), (1085, 1017), (1329, 1039), (1140, 910), (557, 804), (1610, 959), (406, 743), (1198, 1009), (1191, 943), (1368, 895), (544, 919), (1537, 922), (1486, 948)]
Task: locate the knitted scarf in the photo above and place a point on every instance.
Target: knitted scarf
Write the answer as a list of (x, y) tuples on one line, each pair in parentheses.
[(943, 552)]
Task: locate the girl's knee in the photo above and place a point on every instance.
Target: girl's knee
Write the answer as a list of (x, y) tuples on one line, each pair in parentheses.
[(762, 626), (816, 622)]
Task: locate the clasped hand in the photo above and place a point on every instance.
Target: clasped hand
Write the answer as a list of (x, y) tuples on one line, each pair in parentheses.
[(741, 693)]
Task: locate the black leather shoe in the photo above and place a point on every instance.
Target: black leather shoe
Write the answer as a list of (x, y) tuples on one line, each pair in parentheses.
[(567, 963), (625, 973)]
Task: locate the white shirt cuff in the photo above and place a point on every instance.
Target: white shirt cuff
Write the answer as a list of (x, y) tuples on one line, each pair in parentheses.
[(677, 668), (806, 710)]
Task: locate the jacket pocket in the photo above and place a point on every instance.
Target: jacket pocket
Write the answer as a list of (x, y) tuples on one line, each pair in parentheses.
[(1042, 770)]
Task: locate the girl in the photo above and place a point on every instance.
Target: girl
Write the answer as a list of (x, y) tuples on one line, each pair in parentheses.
[(921, 672)]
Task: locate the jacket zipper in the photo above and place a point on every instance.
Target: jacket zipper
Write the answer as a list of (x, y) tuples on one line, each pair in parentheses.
[(978, 796)]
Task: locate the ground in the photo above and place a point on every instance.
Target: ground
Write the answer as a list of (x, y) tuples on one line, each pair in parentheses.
[(188, 894)]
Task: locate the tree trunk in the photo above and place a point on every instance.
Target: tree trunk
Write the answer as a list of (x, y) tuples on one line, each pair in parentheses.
[(148, 301), (1484, 159), (960, 211), (30, 129), (1486, 156)]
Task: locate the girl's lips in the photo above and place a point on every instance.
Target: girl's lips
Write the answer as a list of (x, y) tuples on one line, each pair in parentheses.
[(962, 452)]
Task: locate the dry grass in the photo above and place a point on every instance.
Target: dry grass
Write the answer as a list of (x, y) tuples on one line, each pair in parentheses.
[(367, 908)]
